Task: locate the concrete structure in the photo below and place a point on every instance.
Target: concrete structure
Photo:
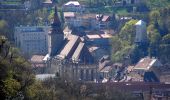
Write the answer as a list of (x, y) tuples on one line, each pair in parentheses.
[(141, 34), (32, 39)]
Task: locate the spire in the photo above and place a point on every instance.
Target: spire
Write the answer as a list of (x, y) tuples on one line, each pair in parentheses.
[(56, 24), (56, 18)]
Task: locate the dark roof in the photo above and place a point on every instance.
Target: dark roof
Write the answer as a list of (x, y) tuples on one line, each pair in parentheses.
[(78, 51)]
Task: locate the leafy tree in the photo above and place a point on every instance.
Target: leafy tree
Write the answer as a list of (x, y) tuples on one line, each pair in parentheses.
[(154, 38), (127, 32), (165, 49)]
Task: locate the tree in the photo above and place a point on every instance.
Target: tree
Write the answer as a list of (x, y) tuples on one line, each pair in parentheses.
[(127, 32), (164, 49), (4, 28), (154, 38), (16, 75)]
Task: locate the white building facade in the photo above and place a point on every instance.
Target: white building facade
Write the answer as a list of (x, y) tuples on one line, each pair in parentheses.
[(32, 39)]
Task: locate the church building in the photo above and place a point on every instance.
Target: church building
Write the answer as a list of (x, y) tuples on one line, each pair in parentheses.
[(69, 57)]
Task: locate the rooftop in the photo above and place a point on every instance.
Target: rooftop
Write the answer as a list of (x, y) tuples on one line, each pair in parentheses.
[(37, 58), (145, 63), (30, 29), (140, 22), (105, 18), (68, 47), (48, 1), (76, 3), (69, 14), (78, 51), (97, 36), (44, 76)]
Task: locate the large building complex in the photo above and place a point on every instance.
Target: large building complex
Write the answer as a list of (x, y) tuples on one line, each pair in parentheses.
[(32, 39)]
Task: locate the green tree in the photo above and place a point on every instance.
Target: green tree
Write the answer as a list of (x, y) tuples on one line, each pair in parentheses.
[(154, 38), (165, 49), (127, 32)]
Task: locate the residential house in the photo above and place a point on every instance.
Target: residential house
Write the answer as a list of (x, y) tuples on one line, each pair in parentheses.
[(148, 68)]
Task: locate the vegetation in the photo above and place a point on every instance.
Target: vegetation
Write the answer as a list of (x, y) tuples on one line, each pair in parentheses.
[(158, 32), (123, 45)]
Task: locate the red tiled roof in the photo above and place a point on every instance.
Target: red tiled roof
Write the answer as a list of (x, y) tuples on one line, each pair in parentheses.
[(145, 63)]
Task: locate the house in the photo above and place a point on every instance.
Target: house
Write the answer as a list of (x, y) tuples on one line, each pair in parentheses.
[(106, 69), (38, 63), (148, 69), (73, 6), (87, 21)]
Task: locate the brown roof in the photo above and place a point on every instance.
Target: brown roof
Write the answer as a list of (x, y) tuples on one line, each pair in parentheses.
[(69, 14), (68, 48), (145, 63), (37, 58), (105, 18)]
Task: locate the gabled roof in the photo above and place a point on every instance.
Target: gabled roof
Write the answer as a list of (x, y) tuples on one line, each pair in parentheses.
[(147, 63), (68, 47), (78, 51)]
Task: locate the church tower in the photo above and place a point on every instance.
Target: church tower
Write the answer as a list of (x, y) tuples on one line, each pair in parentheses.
[(55, 36)]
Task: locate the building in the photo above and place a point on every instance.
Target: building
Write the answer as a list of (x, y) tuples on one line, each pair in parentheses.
[(87, 21), (32, 39), (102, 40), (105, 69), (73, 6), (48, 3), (39, 64), (141, 34), (147, 70), (69, 56)]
